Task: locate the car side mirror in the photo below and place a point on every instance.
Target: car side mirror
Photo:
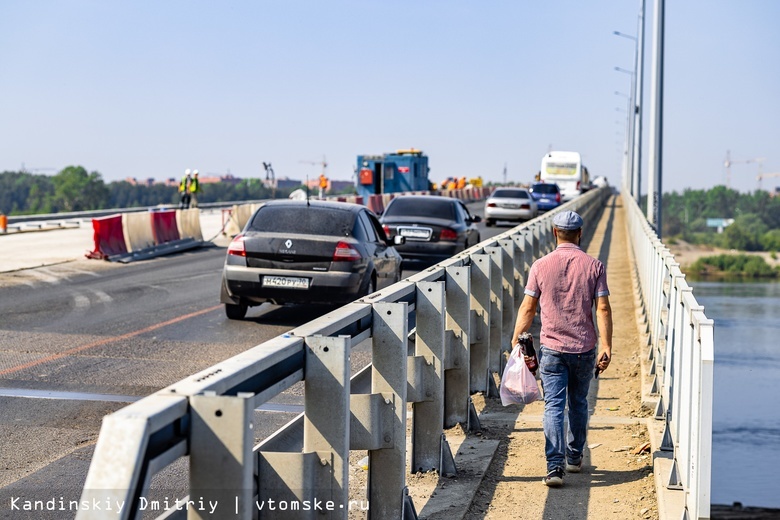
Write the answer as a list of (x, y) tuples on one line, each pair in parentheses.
[(476, 219), (398, 240)]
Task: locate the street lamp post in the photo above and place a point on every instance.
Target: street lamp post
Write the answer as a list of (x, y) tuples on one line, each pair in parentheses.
[(630, 128), (639, 60), (626, 163), (656, 123)]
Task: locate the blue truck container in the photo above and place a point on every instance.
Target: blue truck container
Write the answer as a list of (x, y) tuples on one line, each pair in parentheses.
[(404, 170)]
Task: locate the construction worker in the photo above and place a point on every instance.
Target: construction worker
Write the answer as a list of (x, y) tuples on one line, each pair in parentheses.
[(323, 185), (461, 183), (184, 190), (194, 189)]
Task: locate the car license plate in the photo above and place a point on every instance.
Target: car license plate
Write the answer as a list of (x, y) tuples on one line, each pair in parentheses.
[(285, 282), (510, 206), (418, 233)]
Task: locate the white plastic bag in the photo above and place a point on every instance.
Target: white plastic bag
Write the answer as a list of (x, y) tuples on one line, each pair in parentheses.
[(518, 385)]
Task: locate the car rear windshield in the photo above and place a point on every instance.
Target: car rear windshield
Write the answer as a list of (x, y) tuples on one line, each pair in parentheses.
[(417, 207), (546, 188), (303, 220), (510, 194)]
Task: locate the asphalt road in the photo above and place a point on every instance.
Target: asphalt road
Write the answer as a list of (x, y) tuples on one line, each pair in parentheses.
[(79, 340)]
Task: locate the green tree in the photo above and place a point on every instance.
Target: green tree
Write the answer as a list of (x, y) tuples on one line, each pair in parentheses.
[(77, 190), (770, 241), (745, 233)]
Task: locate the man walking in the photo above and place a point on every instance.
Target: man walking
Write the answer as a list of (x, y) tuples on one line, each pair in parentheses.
[(565, 284)]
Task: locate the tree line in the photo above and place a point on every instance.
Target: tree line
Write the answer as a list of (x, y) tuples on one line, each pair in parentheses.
[(75, 189), (756, 215)]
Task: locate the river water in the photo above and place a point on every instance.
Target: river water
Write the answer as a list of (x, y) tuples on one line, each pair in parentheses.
[(746, 419)]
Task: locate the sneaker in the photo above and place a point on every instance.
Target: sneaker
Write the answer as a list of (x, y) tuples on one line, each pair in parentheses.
[(554, 478), (573, 468)]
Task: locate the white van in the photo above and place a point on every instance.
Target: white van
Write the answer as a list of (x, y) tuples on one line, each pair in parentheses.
[(566, 170)]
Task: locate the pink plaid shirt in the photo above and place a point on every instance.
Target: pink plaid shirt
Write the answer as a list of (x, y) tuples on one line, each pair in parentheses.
[(566, 282)]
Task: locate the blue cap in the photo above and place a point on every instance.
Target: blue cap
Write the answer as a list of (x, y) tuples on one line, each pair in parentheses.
[(567, 220)]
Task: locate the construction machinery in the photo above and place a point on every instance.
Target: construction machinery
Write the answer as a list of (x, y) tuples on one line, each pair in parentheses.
[(403, 170), (762, 176), (728, 163)]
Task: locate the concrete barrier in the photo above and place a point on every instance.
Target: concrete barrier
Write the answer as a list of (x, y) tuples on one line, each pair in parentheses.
[(138, 231), (188, 221), (164, 227), (109, 237), (375, 204)]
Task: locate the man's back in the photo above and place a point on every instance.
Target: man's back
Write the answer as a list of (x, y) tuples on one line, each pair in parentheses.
[(566, 282)]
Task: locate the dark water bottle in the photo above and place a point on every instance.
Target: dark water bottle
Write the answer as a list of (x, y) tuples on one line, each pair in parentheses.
[(526, 342)]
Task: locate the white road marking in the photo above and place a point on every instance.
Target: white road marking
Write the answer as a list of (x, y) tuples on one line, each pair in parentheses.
[(44, 276), (81, 301), (102, 296)]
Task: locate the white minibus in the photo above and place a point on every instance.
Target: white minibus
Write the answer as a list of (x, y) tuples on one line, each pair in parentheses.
[(566, 170)]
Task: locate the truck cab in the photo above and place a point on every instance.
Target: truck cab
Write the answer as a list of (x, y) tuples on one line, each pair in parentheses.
[(401, 171)]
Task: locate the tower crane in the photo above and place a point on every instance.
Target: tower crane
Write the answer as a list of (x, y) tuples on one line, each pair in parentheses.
[(728, 162), (762, 176), (322, 163)]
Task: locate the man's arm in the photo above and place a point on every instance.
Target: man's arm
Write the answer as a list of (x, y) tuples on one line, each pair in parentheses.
[(604, 321), (525, 316)]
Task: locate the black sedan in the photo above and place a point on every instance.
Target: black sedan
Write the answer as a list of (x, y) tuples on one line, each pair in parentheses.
[(293, 251), (435, 228)]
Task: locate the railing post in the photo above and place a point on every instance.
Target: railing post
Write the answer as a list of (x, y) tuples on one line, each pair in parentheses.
[(479, 365), (117, 470), (387, 467), (221, 463), (703, 470), (327, 418), (497, 307), (429, 344), (508, 304), (457, 359)]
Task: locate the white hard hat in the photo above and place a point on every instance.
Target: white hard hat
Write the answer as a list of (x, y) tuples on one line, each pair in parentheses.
[(194, 172), (187, 171)]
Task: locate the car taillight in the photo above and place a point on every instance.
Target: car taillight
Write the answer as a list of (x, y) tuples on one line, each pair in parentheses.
[(578, 185), (558, 197), (491, 204), (345, 253), (525, 206), (237, 247), (387, 229), (448, 234)]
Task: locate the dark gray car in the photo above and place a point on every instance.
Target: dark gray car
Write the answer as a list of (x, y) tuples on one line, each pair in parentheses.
[(307, 252), (435, 228)]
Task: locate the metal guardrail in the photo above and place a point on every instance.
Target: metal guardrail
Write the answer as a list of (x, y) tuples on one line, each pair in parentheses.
[(436, 337), (682, 356)]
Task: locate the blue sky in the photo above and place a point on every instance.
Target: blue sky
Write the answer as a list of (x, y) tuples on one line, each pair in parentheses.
[(149, 88)]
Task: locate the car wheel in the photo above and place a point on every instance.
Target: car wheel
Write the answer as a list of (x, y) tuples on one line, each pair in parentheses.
[(235, 312), (490, 222)]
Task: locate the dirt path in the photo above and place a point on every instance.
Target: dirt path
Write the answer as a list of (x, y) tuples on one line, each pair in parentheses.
[(615, 482)]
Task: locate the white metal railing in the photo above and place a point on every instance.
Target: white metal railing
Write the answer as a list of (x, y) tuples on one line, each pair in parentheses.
[(682, 355)]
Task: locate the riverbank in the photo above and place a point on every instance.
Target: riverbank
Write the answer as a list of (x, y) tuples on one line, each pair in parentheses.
[(686, 254)]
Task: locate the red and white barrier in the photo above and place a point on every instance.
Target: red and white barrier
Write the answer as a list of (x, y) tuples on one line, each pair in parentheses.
[(109, 237), (164, 227), (130, 234)]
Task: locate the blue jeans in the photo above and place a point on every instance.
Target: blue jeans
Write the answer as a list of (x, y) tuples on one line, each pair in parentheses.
[(564, 374)]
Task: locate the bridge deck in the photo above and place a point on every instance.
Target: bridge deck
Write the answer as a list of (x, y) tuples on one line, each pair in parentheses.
[(618, 477)]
